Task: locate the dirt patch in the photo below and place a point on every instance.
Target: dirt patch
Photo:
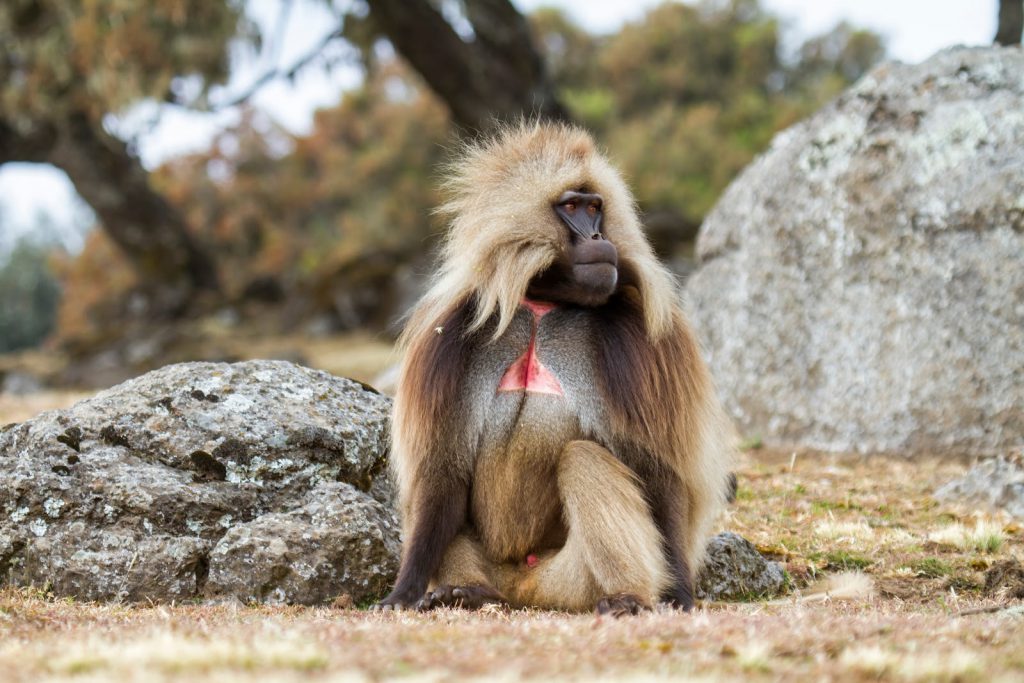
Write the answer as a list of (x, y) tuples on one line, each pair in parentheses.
[(1005, 580)]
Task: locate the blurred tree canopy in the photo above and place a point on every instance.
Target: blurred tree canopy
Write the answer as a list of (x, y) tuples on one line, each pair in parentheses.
[(682, 99), (66, 64), (685, 98)]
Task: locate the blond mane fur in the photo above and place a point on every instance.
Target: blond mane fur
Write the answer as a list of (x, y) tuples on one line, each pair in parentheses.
[(503, 232)]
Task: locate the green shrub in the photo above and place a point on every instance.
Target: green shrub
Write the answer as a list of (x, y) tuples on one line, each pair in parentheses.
[(29, 294)]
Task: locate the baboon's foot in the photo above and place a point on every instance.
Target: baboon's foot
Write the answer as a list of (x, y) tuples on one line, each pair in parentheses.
[(621, 604)]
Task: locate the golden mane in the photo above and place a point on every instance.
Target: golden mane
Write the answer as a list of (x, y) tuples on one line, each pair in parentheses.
[(503, 232)]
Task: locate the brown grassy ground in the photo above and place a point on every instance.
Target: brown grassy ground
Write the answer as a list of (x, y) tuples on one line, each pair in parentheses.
[(819, 514)]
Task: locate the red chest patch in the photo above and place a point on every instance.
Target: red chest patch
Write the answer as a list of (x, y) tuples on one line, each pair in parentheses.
[(527, 373)]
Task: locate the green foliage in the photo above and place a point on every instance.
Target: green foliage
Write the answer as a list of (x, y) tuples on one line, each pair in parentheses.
[(751, 443), (688, 54), (685, 98), (842, 560), (568, 50), (29, 294), (828, 505), (931, 568), (830, 61), (98, 56), (744, 493)]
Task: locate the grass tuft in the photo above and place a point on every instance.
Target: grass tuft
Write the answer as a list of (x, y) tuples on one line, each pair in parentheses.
[(871, 660), (930, 568), (755, 655), (958, 665), (751, 443), (985, 537), (854, 532), (842, 560)]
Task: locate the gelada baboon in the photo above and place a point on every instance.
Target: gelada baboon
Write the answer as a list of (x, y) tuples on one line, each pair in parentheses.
[(556, 438)]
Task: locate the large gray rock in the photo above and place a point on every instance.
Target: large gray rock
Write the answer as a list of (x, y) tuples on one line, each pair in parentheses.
[(260, 480), (862, 286), (994, 483)]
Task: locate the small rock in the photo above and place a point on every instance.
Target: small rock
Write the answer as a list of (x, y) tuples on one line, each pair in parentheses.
[(996, 483), (735, 570)]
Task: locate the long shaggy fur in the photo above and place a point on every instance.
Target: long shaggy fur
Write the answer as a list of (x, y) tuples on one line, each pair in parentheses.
[(502, 234)]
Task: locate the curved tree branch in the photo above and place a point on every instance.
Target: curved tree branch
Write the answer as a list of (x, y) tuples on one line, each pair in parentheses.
[(149, 230), (139, 220), (499, 75), (1011, 22)]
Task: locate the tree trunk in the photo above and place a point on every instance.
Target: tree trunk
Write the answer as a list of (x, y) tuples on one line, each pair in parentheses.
[(111, 180), (1011, 22), (497, 75)]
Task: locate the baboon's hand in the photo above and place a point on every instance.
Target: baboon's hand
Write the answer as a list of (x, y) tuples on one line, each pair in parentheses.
[(396, 601), (466, 597)]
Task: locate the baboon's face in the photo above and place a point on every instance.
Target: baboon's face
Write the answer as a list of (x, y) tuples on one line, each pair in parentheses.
[(587, 271)]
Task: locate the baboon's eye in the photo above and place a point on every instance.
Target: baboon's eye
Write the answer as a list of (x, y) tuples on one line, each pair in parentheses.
[(569, 206)]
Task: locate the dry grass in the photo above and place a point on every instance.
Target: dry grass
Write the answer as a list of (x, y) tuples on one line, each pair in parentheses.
[(20, 408), (358, 355), (821, 515), (45, 640)]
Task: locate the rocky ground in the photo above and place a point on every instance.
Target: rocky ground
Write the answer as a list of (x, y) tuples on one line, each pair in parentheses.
[(920, 590)]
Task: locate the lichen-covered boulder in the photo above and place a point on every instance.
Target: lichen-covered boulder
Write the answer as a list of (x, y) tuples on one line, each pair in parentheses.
[(151, 489), (862, 282), (338, 537)]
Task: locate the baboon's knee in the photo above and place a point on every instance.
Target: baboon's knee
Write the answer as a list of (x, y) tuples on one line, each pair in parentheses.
[(586, 465), (610, 521)]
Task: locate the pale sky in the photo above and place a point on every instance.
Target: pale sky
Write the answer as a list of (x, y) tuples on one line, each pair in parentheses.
[(913, 29)]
